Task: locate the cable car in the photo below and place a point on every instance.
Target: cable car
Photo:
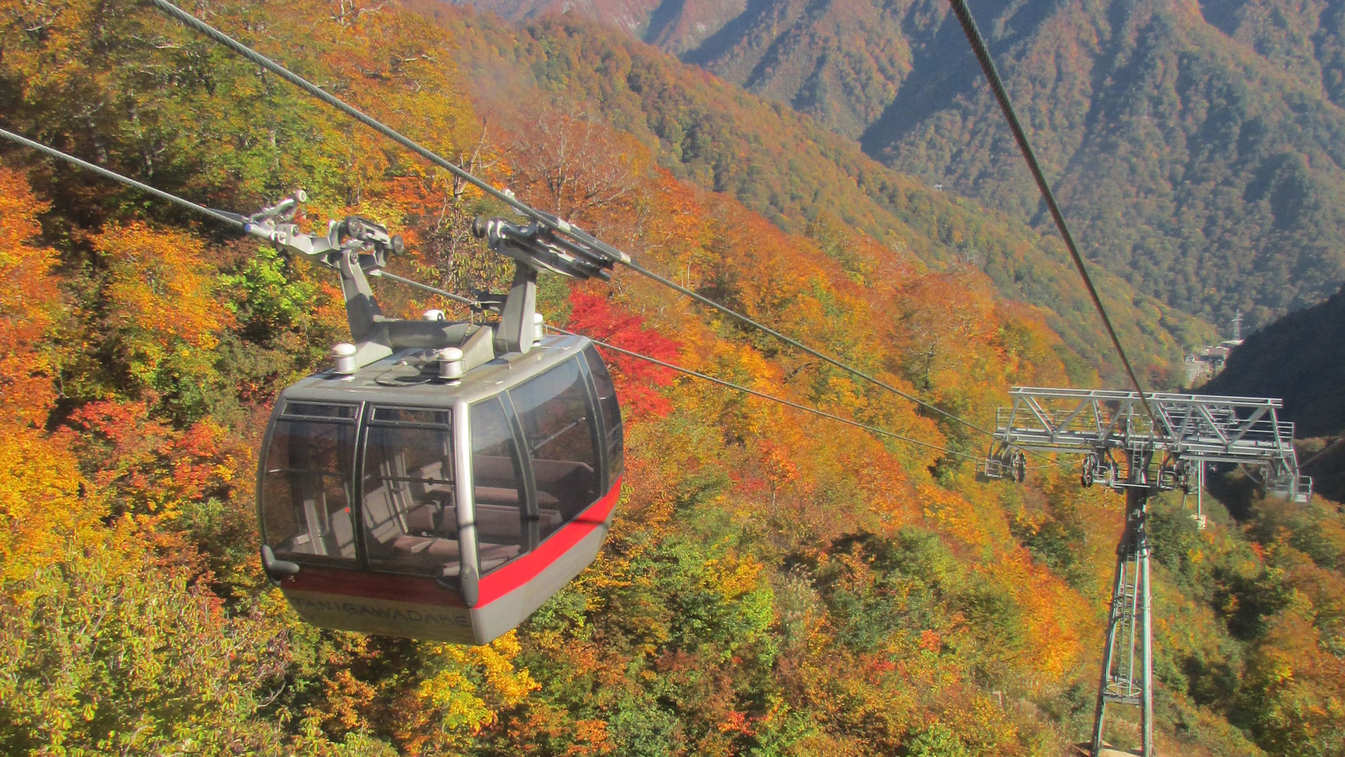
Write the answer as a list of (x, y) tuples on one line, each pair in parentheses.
[(441, 480)]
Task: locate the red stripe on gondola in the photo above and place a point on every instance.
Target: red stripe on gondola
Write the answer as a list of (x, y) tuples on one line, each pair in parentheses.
[(422, 590), (514, 574), (356, 583)]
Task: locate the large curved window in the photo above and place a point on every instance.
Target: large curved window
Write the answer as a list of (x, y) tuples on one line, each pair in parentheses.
[(558, 428), (409, 515), (503, 525), (305, 496)]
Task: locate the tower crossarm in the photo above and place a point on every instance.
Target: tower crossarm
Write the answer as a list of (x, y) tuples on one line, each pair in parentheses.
[(1184, 428)]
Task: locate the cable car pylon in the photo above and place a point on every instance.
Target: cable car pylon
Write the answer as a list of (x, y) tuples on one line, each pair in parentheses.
[(1140, 453)]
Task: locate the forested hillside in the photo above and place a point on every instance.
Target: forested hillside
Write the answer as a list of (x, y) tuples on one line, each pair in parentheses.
[(772, 584), (804, 178), (1298, 358), (1194, 145)]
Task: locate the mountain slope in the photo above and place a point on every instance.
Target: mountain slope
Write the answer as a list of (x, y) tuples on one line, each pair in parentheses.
[(770, 585), (805, 178), (1299, 358), (1194, 146)]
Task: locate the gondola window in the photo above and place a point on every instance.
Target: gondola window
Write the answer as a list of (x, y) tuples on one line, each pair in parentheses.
[(305, 487), (409, 514), (555, 412)]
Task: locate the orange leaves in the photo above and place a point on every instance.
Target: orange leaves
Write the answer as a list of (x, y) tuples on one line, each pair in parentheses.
[(44, 502), (42, 499), (153, 320), (389, 63), (29, 299), (158, 286), (1056, 617), (150, 467), (944, 321), (346, 698)]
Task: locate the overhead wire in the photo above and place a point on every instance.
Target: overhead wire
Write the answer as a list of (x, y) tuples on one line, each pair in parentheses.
[(982, 52), (336, 102), (237, 222), (220, 216), (468, 301), (805, 348), (770, 397), (509, 198), (231, 219), (223, 217)]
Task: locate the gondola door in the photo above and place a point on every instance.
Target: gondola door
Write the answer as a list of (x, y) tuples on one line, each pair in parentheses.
[(359, 523)]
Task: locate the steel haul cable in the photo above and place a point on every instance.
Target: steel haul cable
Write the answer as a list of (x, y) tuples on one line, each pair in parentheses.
[(188, 204), (982, 52), (762, 395)]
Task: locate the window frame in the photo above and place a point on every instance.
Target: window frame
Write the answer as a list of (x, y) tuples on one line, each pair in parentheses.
[(368, 422), (288, 411), (605, 426)]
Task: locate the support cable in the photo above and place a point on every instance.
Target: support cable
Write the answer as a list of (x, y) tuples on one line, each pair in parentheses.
[(805, 348), (770, 397), (230, 219), (527, 210), (468, 301), (982, 52), (321, 94), (226, 218)]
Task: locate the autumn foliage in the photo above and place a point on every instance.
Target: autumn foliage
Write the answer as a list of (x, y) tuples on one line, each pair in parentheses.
[(774, 583)]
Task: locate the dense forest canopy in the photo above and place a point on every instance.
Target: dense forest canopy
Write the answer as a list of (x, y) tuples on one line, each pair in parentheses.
[(1195, 145), (771, 585)]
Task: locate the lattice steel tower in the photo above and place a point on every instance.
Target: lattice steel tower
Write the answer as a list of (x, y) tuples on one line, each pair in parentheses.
[(1125, 448)]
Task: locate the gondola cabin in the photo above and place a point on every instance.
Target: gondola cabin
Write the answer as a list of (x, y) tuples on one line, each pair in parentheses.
[(439, 492)]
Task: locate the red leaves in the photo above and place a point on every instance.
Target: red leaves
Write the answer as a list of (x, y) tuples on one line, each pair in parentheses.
[(637, 381), (147, 464)]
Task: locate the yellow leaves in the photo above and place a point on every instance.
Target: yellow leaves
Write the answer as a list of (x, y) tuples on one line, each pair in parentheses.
[(1053, 613), (159, 290), (732, 575), (43, 500), (29, 299), (952, 514), (464, 692)]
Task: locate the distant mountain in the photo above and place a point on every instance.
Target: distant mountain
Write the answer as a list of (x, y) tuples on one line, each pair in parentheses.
[(803, 177), (1197, 147), (1300, 358)]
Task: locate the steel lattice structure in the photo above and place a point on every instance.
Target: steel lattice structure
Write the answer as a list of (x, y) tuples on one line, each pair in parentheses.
[(1125, 447)]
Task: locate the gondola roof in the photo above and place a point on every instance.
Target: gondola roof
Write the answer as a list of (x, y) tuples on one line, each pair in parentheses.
[(413, 373)]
